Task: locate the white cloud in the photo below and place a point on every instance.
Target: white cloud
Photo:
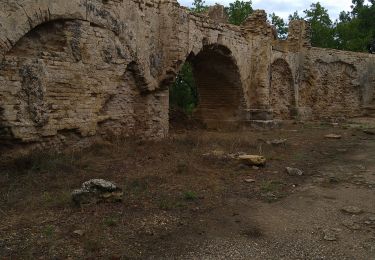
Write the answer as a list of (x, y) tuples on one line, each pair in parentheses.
[(285, 7)]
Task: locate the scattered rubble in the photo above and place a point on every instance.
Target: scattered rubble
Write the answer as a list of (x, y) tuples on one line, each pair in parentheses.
[(95, 191), (218, 154), (350, 224), (277, 142), (330, 235), (255, 161), (294, 171), (333, 136), (249, 180), (352, 210), (369, 132), (79, 232)]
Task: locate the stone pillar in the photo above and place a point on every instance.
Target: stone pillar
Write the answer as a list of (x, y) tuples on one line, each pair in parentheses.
[(299, 42), (260, 35)]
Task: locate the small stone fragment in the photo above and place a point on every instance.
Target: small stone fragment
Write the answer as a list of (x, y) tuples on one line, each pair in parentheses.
[(333, 180), (351, 225), (294, 171), (249, 180), (253, 160), (333, 136), (369, 132), (277, 142), (79, 232), (351, 210), (330, 235), (95, 191), (217, 153)]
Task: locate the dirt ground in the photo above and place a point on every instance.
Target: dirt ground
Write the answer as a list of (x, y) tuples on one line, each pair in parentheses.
[(182, 204)]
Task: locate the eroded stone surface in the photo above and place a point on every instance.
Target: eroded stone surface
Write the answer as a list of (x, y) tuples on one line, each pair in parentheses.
[(249, 159), (95, 191)]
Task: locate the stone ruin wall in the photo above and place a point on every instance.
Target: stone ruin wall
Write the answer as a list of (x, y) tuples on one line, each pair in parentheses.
[(80, 69), (337, 84), (93, 68), (87, 68), (319, 84)]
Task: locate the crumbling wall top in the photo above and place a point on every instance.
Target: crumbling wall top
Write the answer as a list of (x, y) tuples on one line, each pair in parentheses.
[(217, 13), (257, 24), (299, 35)]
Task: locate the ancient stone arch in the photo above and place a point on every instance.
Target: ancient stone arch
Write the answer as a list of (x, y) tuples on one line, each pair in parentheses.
[(94, 67), (282, 95), (28, 15), (344, 100), (220, 92)]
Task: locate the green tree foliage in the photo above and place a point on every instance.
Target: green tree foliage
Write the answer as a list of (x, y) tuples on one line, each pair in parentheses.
[(281, 26), (294, 16), (183, 93), (238, 11), (199, 6), (321, 26), (355, 30)]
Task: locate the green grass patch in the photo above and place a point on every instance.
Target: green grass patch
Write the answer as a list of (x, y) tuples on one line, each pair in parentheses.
[(270, 186), (110, 221), (190, 196)]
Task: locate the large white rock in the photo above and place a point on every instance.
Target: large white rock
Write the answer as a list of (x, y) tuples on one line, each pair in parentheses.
[(96, 191)]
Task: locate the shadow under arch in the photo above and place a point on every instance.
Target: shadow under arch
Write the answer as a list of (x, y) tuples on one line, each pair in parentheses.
[(219, 87), (282, 95)]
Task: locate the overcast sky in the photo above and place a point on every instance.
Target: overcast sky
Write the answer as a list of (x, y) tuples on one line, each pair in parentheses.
[(285, 7)]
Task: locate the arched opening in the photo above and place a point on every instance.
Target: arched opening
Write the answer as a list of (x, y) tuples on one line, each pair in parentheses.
[(282, 97), (213, 86), (333, 92)]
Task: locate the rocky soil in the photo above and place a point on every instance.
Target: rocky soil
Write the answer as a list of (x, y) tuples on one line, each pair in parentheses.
[(187, 198)]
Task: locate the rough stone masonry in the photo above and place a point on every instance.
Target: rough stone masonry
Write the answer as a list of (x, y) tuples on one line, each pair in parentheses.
[(82, 68)]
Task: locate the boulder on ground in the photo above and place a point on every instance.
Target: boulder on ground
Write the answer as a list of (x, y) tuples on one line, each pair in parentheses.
[(294, 171), (253, 160), (96, 191)]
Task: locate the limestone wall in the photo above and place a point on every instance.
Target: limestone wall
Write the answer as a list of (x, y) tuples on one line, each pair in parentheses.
[(71, 74), (96, 68), (337, 83), (326, 83)]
